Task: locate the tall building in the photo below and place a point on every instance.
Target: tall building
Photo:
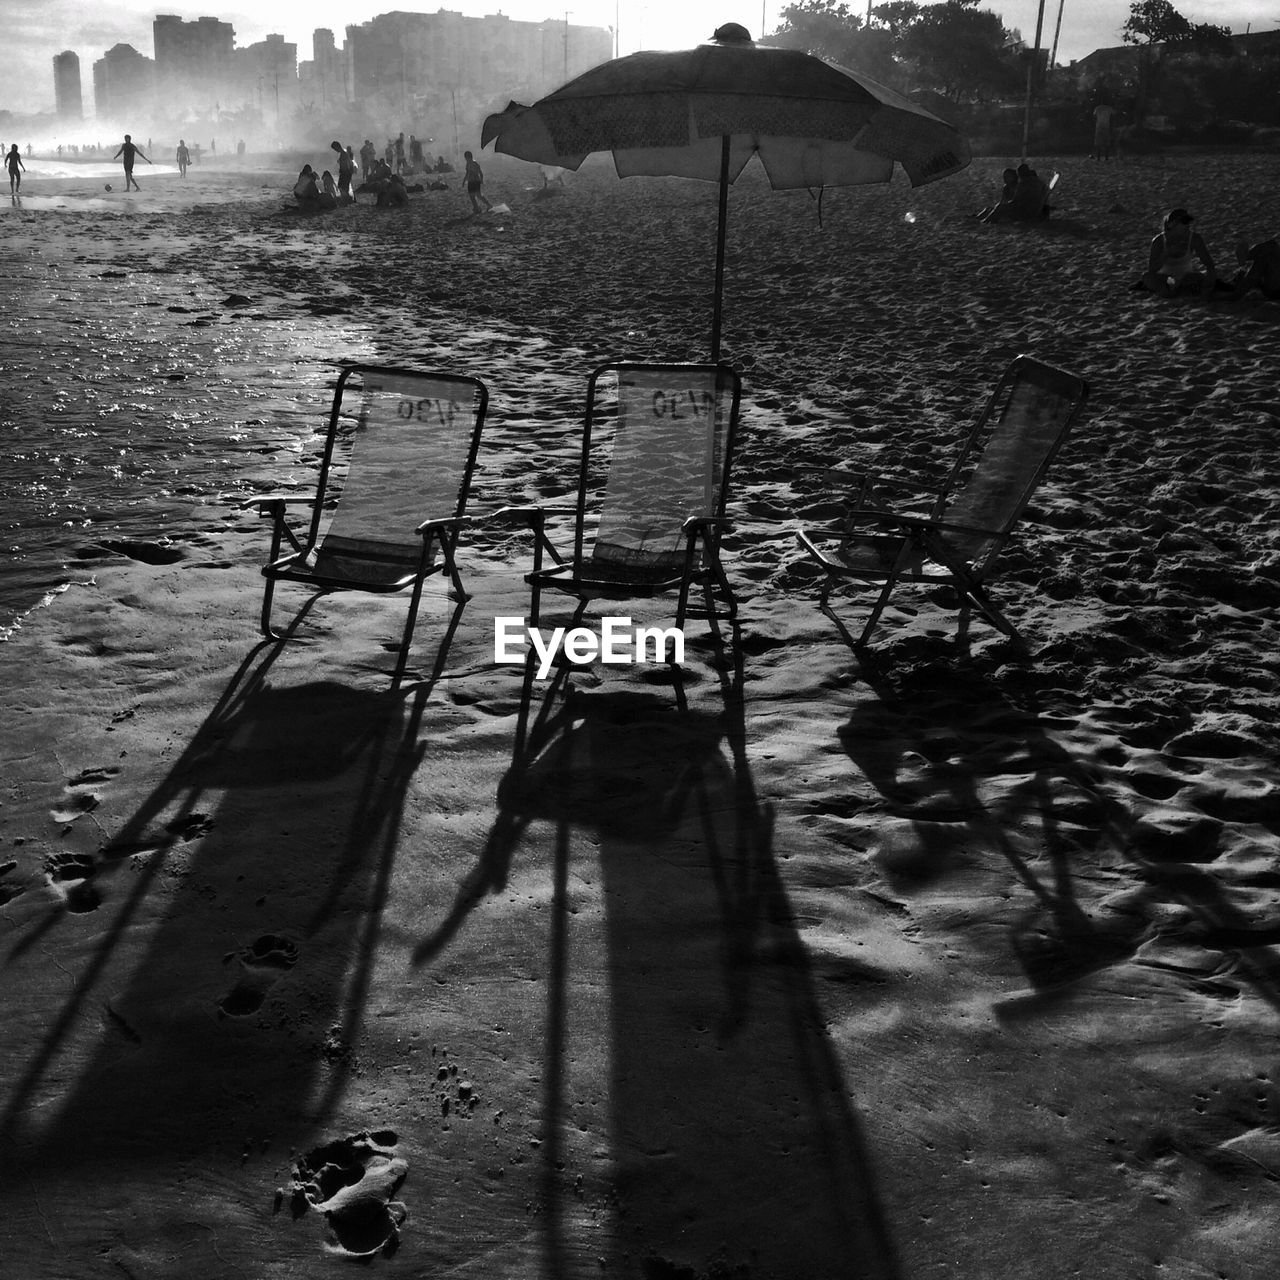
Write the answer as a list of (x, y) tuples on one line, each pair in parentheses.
[(123, 85), (397, 57), (266, 75), (66, 86), (193, 61), (323, 81)]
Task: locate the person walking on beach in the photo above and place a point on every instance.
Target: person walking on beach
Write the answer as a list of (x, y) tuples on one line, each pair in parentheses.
[(183, 157), (129, 151), (13, 162), (1103, 138), (473, 179)]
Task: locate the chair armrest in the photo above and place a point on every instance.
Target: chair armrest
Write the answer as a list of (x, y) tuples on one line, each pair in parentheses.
[(443, 522), (274, 502), (706, 522), (923, 524), (906, 521), (534, 518), (529, 515)]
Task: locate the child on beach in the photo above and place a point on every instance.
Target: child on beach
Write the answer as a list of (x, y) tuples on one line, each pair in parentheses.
[(13, 162), (473, 179), (1171, 263)]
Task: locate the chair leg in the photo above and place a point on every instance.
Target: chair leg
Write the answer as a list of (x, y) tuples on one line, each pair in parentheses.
[(876, 610), (268, 598), (448, 543), (407, 639), (976, 593)]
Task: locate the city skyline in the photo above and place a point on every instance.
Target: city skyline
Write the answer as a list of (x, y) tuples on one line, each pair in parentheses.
[(38, 30)]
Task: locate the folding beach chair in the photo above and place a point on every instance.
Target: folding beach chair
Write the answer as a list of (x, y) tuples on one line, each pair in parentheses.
[(657, 446), (972, 517), (392, 492)]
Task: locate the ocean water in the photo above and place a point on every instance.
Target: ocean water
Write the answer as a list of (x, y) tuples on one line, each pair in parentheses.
[(136, 401)]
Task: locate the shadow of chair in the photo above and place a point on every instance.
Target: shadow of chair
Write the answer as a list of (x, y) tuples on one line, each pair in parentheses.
[(956, 542), (703, 957), (321, 767), (391, 495)]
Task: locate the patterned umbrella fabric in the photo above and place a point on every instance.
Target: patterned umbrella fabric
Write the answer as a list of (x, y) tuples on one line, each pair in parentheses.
[(704, 112)]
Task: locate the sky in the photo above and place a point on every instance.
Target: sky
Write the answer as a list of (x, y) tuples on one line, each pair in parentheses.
[(33, 31)]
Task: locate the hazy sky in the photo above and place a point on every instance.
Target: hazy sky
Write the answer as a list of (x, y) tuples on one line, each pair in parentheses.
[(32, 31)]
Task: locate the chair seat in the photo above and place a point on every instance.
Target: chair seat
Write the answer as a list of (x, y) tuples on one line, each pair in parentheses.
[(619, 582)]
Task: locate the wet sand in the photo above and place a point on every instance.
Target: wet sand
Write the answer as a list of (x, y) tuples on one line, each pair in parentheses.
[(923, 962)]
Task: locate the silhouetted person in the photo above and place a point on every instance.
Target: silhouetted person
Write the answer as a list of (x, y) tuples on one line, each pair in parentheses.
[(129, 152), (13, 162), (473, 179), (183, 157)]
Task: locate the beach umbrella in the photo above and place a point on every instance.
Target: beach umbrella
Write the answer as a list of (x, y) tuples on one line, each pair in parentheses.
[(704, 112)]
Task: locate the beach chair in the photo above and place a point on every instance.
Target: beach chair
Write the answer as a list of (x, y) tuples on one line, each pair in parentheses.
[(657, 447), (970, 520), (391, 496)]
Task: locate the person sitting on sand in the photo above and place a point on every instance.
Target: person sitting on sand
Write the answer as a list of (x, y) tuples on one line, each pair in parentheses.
[(1171, 263), (1030, 196), (999, 211), (393, 192), (305, 190), (329, 192), (13, 162), (1259, 269)]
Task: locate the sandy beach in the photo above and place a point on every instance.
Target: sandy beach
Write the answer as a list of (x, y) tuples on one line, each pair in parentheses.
[(925, 961)]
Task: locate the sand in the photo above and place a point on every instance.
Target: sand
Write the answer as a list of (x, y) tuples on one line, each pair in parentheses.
[(928, 961)]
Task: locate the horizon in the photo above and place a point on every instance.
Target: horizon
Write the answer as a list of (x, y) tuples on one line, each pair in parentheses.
[(38, 30)]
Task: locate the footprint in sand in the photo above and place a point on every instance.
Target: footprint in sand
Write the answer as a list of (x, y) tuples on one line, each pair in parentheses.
[(8, 891), (351, 1182), (262, 963), (72, 875)]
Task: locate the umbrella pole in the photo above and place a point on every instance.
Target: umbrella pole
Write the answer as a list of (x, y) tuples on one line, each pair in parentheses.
[(720, 238)]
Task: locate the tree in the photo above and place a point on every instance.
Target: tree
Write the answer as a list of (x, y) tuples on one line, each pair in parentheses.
[(831, 30), (961, 50), (1155, 27)]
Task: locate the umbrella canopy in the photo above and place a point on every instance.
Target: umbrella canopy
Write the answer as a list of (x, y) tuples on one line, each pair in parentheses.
[(704, 112)]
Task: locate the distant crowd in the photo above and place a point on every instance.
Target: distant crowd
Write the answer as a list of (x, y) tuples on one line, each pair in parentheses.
[(389, 176)]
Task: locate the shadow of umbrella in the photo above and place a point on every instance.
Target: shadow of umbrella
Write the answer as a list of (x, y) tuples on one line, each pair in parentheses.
[(733, 1143), (704, 112)]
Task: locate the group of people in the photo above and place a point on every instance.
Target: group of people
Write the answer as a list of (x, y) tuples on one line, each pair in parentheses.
[(314, 192), (400, 157), (1024, 197), (1179, 262)]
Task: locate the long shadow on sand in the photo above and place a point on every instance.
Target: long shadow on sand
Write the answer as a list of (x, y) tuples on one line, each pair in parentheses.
[(209, 1013), (948, 751), (734, 1146)]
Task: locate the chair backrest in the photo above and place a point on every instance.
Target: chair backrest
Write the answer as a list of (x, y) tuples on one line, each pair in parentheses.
[(1008, 452), (657, 448), (401, 448)]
